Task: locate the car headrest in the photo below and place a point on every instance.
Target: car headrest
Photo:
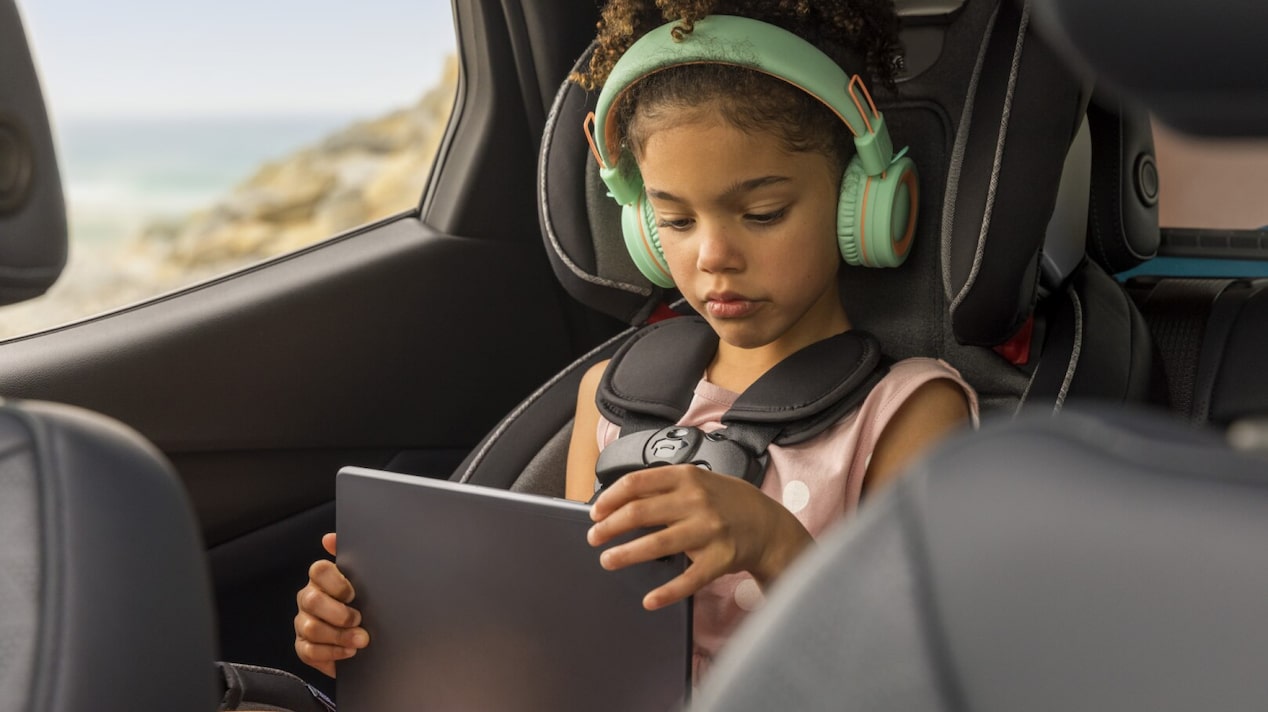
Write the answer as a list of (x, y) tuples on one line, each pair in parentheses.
[(1107, 203), (1197, 66), (990, 160), (1122, 229), (1101, 560), (32, 211), (106, 602)]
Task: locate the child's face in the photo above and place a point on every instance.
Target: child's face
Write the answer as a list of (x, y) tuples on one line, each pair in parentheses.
[(749, 231)]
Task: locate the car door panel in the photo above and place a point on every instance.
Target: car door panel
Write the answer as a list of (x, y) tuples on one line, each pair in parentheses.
[(260, 385)]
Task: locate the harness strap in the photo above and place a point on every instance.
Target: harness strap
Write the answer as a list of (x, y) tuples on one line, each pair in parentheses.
[(811, 389), (652, 376), (649, 383)]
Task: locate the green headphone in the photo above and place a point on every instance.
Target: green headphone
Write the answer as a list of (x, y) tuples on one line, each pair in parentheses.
[(876, 214)]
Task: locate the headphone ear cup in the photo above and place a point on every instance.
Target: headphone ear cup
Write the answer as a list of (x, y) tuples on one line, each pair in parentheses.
[(876, 215), (638, 227), (848, 212)]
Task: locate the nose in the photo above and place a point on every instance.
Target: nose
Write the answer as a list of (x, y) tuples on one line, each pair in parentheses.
[(718, 251)]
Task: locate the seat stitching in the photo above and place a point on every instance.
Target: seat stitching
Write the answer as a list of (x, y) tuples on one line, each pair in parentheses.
[(949, 198), (1074, 351), (993, 186), (543, 203)]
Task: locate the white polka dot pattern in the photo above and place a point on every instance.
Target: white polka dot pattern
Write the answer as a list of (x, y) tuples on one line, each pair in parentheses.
[(748, 595), (796, 496)]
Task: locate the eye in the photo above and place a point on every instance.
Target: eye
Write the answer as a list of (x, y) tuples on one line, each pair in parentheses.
[(766, 218), (679, 225)]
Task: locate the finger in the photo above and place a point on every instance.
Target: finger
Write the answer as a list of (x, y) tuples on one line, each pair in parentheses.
[(328, 543), (649, 547), (679, 588), (316, 602), (322, 657), (315, 630), (327, 576), (647, 512), (635, 485)]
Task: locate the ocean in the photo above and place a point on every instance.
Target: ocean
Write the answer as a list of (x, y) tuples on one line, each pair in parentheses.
[(120, 174)]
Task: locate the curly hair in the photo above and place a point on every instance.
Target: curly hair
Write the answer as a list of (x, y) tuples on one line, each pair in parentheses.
[(854, 33)]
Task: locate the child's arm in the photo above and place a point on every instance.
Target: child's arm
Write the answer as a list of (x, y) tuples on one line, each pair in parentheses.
[(583, 448), (327, 628), (929, 414)]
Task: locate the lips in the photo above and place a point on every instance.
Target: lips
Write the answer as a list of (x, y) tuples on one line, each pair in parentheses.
[(729, 305)]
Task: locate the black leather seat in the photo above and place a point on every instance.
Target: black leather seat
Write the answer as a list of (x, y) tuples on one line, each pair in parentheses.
[(106, 600), (1212, 334), (1107, 562)]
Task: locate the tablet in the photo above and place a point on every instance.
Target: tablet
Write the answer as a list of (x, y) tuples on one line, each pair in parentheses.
[(483, 599)]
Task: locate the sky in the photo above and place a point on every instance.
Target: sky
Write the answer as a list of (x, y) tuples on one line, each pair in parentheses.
[(170, 58)]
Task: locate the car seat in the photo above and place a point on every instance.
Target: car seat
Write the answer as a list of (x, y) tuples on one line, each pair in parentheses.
[(1093, 327), (1210, 331), (1095, 561), (106, 597), (105, 600), (991, 160)]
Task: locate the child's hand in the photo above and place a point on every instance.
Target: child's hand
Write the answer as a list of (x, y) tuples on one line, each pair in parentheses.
[(723, 524), (327, 628)]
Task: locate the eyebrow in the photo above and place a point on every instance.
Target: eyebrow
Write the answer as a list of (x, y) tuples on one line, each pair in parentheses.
[(737, 189)]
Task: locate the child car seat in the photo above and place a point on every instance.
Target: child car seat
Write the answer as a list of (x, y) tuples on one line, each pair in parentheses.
[(991, 161)]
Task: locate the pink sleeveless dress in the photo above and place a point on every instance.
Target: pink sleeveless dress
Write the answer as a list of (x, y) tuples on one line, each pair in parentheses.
[(819, 481)]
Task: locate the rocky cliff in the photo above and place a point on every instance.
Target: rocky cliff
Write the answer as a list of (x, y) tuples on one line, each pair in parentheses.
[(363, 172)]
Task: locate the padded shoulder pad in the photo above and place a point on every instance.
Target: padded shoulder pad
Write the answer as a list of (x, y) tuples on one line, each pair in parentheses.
[(656, 371), (814, 387)]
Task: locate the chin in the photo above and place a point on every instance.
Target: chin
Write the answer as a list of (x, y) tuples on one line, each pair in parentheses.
[(742, 334)]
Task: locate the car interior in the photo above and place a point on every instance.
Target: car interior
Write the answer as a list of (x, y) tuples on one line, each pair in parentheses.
[(191, 472)]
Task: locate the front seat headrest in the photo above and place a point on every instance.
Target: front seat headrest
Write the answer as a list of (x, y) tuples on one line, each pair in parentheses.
[(1107, 561), (33, 230), (106, 597)]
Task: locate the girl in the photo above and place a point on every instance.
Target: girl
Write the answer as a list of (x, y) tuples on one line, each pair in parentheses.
[(743, 172)]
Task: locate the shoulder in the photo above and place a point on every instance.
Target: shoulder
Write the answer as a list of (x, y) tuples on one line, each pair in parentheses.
[(587, 412), (921, 366), (926, 381), (933, 401), (583, 447), (590, 380)]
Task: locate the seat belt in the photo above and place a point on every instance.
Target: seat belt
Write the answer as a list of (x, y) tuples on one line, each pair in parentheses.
[(648, 386)]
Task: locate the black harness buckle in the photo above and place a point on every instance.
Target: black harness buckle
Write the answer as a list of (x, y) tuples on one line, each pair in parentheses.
[(679, 445)]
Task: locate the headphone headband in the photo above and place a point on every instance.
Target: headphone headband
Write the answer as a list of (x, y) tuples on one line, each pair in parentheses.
[(742, 42)]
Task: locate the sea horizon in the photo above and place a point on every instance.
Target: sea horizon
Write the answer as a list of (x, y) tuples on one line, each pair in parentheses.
[(121, 173)]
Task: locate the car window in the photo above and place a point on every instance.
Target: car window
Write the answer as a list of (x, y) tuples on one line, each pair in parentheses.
[(1211, 207), (1210, 183), (196, 139)]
